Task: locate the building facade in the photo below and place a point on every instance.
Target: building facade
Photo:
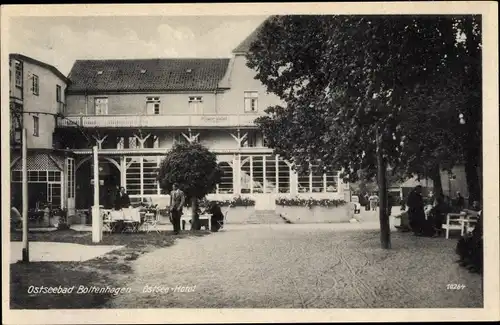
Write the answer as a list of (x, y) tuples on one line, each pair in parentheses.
[(136, 110), (37, 95)]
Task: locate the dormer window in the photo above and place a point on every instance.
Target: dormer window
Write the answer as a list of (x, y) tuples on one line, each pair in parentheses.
[(143, 71), (99, 72), (189, 70)]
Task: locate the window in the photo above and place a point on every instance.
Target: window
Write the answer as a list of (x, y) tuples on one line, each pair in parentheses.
[(36, 125), (180, 138), (153, 105), (196, 104), (101, 105), (250, 141), (58, 94), (35, 86), (251, 101), (19, 74)]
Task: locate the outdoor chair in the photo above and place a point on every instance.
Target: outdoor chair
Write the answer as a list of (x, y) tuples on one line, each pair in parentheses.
[(107, 223), (454, 221), (150, 223), (223, 222)]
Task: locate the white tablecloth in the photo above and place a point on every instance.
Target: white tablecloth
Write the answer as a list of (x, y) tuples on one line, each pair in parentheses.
[(127, 214)]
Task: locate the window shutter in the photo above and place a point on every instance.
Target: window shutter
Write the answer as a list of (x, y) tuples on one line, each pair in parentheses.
[(248, 104)]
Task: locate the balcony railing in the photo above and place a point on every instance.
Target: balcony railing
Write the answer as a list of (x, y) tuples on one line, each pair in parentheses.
[(158, 121)]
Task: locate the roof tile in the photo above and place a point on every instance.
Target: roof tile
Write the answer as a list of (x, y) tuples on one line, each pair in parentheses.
[(160, 75)]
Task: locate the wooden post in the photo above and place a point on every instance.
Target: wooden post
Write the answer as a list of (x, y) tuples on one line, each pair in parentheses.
[(96, 217), (24, 158), (385, 231)]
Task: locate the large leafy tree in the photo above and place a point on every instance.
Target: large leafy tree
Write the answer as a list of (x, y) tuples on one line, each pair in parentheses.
[(195, 169), (352, 87)]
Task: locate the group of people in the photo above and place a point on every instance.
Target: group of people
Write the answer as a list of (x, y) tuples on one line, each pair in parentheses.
[(370, 202), (427, 219), (470, 246)]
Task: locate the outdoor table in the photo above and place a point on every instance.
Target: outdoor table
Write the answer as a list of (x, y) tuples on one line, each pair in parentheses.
[(128, 219), (185, 219)]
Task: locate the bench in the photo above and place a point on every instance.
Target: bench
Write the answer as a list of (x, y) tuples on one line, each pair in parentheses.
[(463, 221)]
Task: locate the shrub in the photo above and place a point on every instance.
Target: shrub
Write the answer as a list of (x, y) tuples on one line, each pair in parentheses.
[(236, 201)]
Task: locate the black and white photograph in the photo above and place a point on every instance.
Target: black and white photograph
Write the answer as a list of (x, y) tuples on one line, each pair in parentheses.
[(250, 158)]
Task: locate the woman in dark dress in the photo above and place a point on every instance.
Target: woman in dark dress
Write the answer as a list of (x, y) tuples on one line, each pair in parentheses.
[(416, 212), (217, 218)]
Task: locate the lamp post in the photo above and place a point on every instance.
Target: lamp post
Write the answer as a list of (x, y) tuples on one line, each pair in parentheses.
[(24, 158), (96, 217)]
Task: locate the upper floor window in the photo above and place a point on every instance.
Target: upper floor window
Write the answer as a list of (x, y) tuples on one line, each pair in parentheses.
[(36, 125), (101, 105), (58, 93), (19, 74), (153, 105), (35, 87), (196, 104), (251, 101)]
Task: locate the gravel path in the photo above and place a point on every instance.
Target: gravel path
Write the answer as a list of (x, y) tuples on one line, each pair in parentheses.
[(302, 266)]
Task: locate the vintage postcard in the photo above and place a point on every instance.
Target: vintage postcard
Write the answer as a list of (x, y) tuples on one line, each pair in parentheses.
[(280, 162)]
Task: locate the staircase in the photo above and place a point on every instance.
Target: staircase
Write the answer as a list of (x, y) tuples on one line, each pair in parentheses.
[(265, 217)]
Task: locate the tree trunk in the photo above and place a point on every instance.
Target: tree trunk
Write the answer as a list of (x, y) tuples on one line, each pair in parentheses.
[(195, 221), (473, 180), (385, 232), (436, 181)]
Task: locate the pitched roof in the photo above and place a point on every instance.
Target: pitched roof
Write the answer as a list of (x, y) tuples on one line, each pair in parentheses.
[(147, 75), (22, 57), (244, 46)]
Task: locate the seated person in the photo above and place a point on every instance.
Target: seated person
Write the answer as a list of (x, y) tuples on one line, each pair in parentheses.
[(470, 248), (438, 212), (217, 219)]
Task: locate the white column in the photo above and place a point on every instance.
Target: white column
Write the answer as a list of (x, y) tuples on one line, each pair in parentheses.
[(324, 182), (294, 182), (310, 181), (277, 190), (237, 173), (251, 174), (96, 216), (264, 181), (141, 164), (123, 172)]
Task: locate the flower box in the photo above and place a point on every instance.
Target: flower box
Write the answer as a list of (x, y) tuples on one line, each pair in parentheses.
[(314, 211)]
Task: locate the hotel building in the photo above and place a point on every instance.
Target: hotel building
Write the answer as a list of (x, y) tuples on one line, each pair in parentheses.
[(136, 110)]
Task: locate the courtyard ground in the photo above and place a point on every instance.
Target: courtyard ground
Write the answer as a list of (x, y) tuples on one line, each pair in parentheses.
[(301, 266), (260, 266), (110, 268)]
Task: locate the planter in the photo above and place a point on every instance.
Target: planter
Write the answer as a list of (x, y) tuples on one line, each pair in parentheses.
[(315, 214), (239, 214)]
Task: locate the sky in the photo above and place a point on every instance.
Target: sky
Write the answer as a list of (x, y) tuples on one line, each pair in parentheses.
[(60, 41)]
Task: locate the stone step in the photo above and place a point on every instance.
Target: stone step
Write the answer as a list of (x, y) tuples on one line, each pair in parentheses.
[(265, 217)]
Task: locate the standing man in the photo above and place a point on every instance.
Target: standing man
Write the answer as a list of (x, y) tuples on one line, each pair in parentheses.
[(177, 199)]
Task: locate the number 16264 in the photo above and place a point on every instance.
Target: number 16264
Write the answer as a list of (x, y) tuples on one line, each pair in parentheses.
[(455, 286)]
